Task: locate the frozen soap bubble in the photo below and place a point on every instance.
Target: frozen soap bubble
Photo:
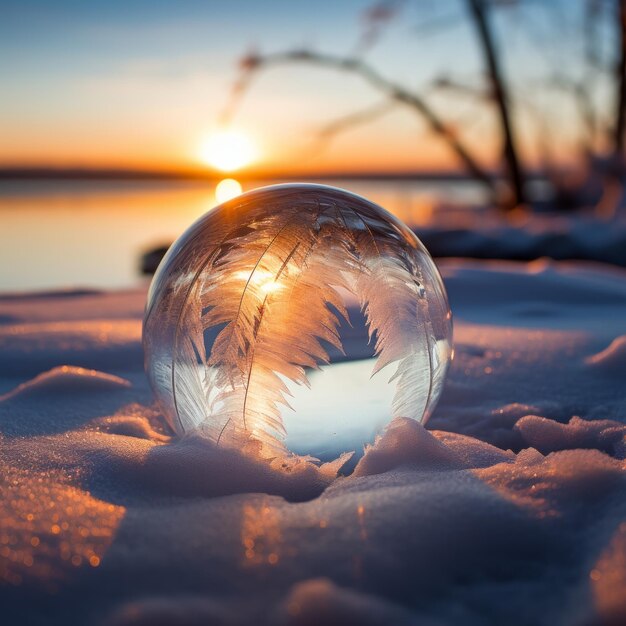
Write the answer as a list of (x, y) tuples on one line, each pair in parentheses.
[(303, 317)]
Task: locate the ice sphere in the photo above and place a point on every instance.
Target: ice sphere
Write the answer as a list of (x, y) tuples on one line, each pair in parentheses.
[(302, 317)]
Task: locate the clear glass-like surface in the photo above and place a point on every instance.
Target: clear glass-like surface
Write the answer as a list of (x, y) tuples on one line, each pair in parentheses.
[(301, 317)]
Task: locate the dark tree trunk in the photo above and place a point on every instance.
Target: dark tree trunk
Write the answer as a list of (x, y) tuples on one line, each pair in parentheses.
[(499, 94), (620, 81)]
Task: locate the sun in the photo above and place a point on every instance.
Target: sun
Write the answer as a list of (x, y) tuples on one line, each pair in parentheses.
[(227, 150)]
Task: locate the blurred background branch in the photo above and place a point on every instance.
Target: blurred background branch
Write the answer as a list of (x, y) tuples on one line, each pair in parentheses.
[(601, 17), (255, 62)]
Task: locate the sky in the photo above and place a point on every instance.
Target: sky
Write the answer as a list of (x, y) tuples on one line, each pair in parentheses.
[(142, 84)]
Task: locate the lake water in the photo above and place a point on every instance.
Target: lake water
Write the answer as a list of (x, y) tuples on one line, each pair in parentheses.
[(72, 234)]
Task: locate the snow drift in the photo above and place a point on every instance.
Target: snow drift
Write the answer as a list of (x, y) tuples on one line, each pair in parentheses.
[(511, 508)]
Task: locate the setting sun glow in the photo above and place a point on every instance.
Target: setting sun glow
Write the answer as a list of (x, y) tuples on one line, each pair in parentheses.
[(227, 150)]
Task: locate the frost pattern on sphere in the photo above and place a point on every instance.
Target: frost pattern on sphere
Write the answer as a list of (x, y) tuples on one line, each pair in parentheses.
[(265, 288)]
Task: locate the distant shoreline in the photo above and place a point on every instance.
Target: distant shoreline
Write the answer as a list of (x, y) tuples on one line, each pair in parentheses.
[(112, 174)]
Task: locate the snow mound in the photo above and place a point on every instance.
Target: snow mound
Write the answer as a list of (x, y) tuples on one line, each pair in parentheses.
[(405, 441), (549, 436), (181, 610), (320, 601), (130, 426), (195, 467), (491, 236), (65, 379), (612, 359), (473, 452), (61, 399), (27, 349)]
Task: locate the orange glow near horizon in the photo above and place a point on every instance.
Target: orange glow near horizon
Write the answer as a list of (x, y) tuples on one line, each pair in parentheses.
[(176, 109), (271, 154)]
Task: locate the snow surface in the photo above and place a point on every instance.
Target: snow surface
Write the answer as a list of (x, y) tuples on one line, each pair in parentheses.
[(484, 233), (510, 509)]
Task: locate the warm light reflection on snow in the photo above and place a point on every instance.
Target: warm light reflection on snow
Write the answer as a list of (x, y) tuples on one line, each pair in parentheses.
[(49, 527), (70, 335), (260, 535), (608, 576), (530, 535), (360, 511)]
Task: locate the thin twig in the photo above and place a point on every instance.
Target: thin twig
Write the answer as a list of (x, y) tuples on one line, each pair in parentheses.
[(394, 91)]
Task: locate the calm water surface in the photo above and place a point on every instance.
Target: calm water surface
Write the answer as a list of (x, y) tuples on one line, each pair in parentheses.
[(66, 234)]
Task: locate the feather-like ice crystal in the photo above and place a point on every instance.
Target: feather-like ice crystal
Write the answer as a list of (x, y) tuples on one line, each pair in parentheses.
[(299, 317)]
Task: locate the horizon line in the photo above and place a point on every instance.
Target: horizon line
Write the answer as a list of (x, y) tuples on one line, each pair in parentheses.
[(121, 173)]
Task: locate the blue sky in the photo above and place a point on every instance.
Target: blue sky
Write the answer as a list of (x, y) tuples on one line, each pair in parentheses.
[(141, 82)]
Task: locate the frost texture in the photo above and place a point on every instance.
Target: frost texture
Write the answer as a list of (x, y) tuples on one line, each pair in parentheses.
[(256, 294)]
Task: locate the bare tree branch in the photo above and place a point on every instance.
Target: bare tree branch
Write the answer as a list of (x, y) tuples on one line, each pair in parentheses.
[(394, 91), (372, 113), (375, 18), (448, 84), (620, 80), (355, 119)]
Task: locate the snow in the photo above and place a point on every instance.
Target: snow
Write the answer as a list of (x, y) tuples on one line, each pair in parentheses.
[(510, 507), (486, 234)]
